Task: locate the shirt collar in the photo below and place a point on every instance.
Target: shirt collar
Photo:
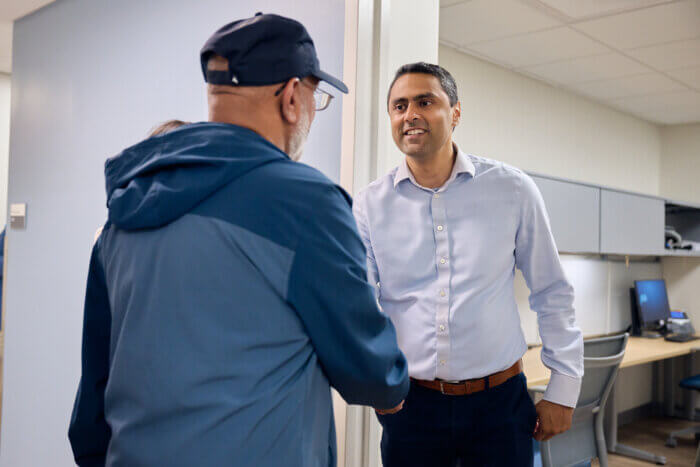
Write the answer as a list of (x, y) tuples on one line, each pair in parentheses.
[(463, 164)]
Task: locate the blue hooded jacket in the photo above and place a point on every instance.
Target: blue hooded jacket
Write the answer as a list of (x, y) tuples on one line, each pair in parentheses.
[(226, 294)]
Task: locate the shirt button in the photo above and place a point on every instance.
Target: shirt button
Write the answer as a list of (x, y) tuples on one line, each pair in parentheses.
[(439, 227), (442, 293), (442, 328), (442, 362), (436, 195), (443, 260), (379, 285)]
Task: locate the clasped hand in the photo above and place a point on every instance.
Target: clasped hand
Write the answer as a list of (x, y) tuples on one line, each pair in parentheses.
[(552, 419)]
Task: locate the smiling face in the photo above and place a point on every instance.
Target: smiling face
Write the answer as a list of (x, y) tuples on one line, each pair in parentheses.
[(422, 119)]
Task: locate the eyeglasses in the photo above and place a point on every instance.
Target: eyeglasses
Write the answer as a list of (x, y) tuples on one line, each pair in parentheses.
[(322, 99)]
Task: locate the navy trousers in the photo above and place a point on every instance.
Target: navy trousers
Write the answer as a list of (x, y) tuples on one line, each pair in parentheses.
[(488, 428)]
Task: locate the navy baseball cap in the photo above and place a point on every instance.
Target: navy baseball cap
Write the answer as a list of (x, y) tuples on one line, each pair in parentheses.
[(262, 50)]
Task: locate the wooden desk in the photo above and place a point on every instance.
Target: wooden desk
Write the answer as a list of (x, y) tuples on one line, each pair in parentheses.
[(640, 350)]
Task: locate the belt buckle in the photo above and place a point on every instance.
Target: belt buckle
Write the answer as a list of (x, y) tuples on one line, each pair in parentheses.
[(442, 387)]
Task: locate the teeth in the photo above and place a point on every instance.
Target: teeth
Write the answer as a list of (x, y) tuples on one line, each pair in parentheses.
[(415, 132)]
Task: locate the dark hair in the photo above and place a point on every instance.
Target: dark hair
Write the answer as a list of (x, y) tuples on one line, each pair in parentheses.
[(166, 127), (446, 80)]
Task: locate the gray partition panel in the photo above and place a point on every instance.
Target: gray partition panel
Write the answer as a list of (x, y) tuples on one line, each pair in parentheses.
[(631, 224), (574, 213)]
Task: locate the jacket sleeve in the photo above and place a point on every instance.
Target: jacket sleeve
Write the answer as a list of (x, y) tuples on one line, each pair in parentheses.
[(355, 342), (89, 432)]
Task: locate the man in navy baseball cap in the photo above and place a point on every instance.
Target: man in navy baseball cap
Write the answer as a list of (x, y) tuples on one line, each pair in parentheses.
[(264, 49), (263, 74), (227, 293)]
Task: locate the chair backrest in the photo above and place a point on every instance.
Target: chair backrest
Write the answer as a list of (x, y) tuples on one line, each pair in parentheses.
[(601, 360)]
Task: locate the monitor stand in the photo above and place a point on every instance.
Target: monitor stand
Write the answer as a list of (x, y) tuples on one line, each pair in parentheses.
[(652, 334)]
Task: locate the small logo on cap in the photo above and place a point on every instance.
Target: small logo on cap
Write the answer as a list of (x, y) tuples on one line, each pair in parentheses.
[(234, 80)]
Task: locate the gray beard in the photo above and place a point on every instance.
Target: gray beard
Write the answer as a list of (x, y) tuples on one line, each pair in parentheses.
[(299, 136)]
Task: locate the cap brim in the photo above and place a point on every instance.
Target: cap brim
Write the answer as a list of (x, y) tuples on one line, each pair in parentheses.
[(335, 82)]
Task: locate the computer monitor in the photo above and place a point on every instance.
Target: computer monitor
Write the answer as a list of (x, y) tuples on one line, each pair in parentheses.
[(652, 302)]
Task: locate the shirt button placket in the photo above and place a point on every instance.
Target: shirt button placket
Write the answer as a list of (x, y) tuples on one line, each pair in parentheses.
[(443, 285)]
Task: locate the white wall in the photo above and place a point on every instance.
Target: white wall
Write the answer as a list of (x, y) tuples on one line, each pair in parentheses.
[(540, 128), (601, 288), (680, 163), (402, 31), (405, 45), (4, 143)]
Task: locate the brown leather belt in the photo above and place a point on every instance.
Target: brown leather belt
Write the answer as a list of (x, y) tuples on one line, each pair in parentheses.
[(471, 386)]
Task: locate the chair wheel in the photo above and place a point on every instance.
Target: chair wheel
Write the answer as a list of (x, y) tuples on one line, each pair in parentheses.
[(671, 442)]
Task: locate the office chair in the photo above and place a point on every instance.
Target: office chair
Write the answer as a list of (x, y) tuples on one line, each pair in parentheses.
[(585, 439), (690, 383)]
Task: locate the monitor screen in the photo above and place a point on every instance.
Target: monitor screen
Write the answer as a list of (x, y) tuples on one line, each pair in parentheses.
[(652, 300)]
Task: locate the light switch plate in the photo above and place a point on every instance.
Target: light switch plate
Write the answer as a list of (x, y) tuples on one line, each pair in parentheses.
[(18, 215)]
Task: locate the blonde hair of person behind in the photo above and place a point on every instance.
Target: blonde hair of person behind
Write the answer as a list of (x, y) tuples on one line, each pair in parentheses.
[(166, 127)]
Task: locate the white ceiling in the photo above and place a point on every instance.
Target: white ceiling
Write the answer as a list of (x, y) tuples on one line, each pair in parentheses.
[(638, 56), (11, 10)]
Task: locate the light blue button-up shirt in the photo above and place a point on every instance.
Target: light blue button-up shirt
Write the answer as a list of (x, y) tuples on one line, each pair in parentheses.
[(443, 261)]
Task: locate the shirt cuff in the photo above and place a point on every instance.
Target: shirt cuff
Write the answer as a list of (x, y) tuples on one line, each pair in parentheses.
[(563, 390)]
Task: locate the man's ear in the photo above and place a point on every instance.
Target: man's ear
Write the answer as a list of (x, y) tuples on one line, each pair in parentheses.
[(289, 102), (456, 114)]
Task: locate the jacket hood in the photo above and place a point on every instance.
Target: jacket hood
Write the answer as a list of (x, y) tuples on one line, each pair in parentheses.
[(162, 178)]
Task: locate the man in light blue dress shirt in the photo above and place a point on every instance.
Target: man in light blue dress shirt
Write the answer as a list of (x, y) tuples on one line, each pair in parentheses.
[(444, 232)]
